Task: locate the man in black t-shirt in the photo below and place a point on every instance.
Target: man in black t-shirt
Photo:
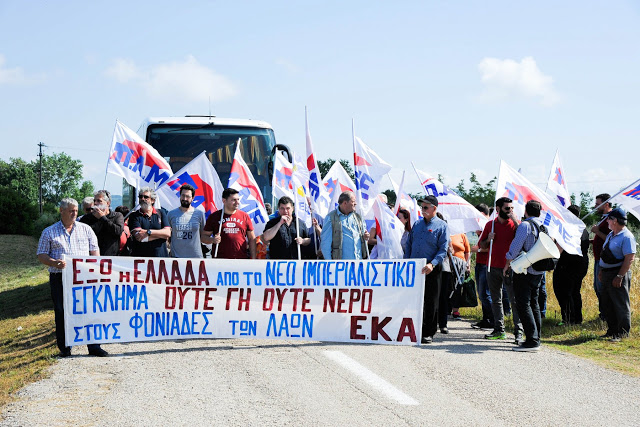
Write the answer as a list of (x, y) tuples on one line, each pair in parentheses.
[(281, 232), (149, 227)]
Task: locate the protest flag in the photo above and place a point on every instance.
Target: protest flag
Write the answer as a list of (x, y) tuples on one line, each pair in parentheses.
[(131, 158), (404, 200), (629, 198), (556, 185), (251, 200), (389, 231), (320, 201), (561, 224), (201, 174), (282, 171), (336, 182), (369, 170), (461, 216), (300, 180)]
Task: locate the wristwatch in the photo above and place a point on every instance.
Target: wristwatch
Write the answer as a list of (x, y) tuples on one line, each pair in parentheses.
[(619, 275), (148, 232)]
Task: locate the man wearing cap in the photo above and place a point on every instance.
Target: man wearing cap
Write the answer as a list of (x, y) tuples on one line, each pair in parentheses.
[(429, 239), (614, 274), (344, 235)]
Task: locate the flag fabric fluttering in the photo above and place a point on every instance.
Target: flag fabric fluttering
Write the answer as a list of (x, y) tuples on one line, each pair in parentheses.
[(131, 158), (320, 200), (300, 180), (405, 201), (461, 216), (556, 185), (251, 200), (200, 174), (336, 182), (629, 198), (369, 170), (282, 171), (389, 230), (561, 224)]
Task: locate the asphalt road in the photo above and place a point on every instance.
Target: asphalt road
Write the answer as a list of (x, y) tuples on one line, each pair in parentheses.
[(460, 379)]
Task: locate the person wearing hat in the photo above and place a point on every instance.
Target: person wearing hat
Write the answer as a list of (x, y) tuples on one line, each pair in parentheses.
[(614, 274), (429, 239)]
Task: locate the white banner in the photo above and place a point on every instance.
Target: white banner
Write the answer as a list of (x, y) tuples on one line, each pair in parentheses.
[(126, 299), (629, 198)]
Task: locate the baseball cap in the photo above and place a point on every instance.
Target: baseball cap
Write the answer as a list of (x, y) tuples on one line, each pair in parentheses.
[(429, 199), (618, 213)]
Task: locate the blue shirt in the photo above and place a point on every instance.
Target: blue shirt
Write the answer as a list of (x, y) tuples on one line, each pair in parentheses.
[(620, 245), (351, 244), (56, 241), (428, 240), (524, 240)]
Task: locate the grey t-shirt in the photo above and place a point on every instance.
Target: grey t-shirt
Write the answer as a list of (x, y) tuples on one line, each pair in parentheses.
[(185, 233)]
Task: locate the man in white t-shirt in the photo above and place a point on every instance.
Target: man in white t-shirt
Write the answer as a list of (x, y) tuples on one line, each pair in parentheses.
[(186, 224)]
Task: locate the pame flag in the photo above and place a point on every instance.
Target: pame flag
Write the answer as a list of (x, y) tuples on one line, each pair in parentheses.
[(320, 200), (404, 200), (561, 224), (629, 198), (251, 200), (389, 230), (136, 161), (369, 169), (200, 174), (336, 182), (300, 180), (282, 171), (461, 216), (556, 185)]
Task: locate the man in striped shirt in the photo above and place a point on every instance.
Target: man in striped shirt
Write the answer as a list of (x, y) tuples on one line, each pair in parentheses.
[(71, 238)]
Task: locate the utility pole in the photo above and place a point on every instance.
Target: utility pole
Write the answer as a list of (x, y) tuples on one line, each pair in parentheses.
[(40, 144)]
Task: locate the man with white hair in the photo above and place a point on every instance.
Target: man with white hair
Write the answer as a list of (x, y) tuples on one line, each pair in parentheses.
[(87, 205), (149, 227), (107, 224), (71, 238)]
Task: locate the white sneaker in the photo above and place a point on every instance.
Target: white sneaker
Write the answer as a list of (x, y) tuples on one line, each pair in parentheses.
[(526, 348)]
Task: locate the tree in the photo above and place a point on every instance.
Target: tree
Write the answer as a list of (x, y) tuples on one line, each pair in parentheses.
[(478, 193), (61, 176), (325, 165), (21, 177)]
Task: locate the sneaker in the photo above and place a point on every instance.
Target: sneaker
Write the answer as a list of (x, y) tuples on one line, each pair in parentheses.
[(527, 348), (519, 340), (483, 324), (607, 335), (444, 330), (496, 335), (66, 352), (560, 324), (427, 340), (456, 314), (615, 338), (98, 352)]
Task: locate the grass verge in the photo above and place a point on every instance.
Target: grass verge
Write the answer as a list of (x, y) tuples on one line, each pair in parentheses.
[(27, 331)]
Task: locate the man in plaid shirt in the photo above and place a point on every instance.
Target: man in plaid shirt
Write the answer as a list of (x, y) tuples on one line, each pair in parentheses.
[(71, 238)]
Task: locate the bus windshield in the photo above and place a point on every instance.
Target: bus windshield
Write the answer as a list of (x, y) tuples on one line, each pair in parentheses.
[(180, 143)]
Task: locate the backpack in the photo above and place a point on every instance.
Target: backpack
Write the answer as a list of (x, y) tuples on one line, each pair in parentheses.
[(547, 264)]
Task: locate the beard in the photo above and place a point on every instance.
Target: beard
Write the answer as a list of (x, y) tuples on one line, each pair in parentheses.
[(145, 205), (503, 214), (185, 204)]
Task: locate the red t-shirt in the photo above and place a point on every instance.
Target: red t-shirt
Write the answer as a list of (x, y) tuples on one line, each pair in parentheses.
[(598, 243), (504, 234), (234, 233)]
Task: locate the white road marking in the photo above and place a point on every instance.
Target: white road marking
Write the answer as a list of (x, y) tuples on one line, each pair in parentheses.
[(371, 378)]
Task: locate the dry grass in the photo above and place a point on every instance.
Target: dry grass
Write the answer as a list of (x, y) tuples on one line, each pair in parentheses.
[(584, 340)]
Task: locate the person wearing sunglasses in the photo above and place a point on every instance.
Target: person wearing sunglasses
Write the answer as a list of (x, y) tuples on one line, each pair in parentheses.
[(149, 227)]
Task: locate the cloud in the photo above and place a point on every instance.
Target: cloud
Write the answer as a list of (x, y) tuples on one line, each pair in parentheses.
[(15, 76), (178, 81), (288, 65), (506, 79)]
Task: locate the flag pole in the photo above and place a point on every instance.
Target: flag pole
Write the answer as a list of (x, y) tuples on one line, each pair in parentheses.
[(106, 169), (596, 208), (295, 202), (358, 192)]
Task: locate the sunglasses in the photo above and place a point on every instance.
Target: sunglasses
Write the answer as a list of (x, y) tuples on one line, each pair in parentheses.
[(144, 197)]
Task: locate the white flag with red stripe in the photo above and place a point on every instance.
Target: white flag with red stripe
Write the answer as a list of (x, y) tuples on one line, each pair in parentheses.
[(369, 170), (556, 185), (200, 174), (320, 200), (629, 198), (336, 182), (136, 161), (404, 200), (461, 216), (282, 172), (251, 200), (389, 230)]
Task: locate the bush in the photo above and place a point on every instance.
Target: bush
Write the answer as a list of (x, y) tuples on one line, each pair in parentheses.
[(17, 214), (45, 220)]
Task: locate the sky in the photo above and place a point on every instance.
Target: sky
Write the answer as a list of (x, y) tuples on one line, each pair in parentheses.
[(454, 87)]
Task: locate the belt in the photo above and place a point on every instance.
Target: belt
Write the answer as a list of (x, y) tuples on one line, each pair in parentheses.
[(609, 269)]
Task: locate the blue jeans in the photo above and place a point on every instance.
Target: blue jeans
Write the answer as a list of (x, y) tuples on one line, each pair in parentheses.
[(483, 292), (527, 291), (542, 297)]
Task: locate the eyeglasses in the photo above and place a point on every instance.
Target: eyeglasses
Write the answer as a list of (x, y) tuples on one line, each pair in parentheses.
[(144, 197), (424, 208), (507, 208)]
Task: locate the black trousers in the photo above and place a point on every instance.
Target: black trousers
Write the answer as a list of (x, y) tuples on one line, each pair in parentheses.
[(615, 303), (527, 290), (432, 285), (55, 280), (444, 302), (567, 283)]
